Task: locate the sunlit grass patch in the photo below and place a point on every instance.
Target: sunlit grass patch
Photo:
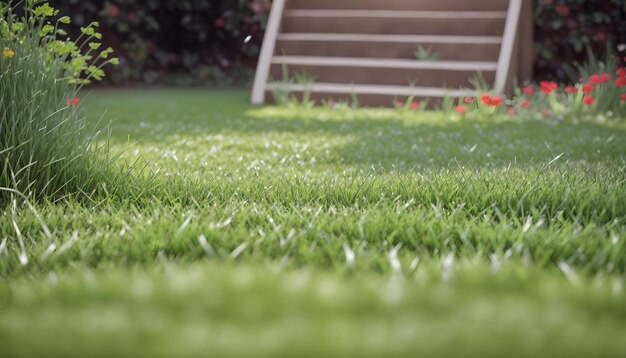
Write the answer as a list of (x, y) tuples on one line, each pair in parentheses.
[(319, 230)]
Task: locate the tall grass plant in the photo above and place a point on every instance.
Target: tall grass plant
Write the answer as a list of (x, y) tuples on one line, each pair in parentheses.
[(46, 150)]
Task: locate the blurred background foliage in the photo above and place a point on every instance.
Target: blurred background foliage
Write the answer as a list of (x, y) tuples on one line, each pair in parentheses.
[(565, 29), (216, 42), (181, 42)]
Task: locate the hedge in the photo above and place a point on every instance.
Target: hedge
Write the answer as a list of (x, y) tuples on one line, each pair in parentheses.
[(191, 42), (182, 42), (565, 29)]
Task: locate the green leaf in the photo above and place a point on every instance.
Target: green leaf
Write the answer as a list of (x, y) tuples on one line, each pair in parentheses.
[(46, 30), (98, 74), (105, 54), (17, 27), (45, 10), (87, 31)]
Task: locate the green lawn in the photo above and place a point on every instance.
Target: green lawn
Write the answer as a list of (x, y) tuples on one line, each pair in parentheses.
[(283, 231)]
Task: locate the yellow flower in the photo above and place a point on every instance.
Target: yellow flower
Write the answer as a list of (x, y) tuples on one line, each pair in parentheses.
[(7, 53)]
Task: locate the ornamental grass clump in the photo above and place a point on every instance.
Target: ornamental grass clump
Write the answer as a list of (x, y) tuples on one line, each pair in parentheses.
[(46, 150)]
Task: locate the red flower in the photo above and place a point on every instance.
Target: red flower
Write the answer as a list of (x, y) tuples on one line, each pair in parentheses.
[(468, 99), (72, 102), (496, 101), (601, 36), (486, 99), (620, 82), (605, 77), (114, 10), (548, 87), (562, 10), (623, 97), (571, 89), (621, 72), (588, 101), (219, 22), (461, 109), (571, 24), (511, 111), (525, 103), (528, 90), (587, 88), (258, 7), (595, 79), (415, 106)]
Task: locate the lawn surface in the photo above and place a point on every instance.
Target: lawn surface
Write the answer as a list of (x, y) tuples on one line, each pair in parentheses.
[(284, 231)]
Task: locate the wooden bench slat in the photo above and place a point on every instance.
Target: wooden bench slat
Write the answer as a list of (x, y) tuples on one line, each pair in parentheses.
[(384, 63), (394, 14), (417, 39), (372, 89)]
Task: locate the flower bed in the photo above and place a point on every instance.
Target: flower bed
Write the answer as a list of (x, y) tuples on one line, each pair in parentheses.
[(599, 94)]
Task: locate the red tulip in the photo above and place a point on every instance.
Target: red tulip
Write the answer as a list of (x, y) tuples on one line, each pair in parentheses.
[(571, 89), (620, 82), (548, 87), (486, 99), (72, 102), (496, 101), (415, 106), (587, 88), (605, 77), (595, 79), (588, 101), (525, 103), (528, 90), (461, 109)]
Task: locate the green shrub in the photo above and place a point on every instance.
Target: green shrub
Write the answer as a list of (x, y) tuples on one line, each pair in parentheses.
[(182, 42), (45, 150)]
